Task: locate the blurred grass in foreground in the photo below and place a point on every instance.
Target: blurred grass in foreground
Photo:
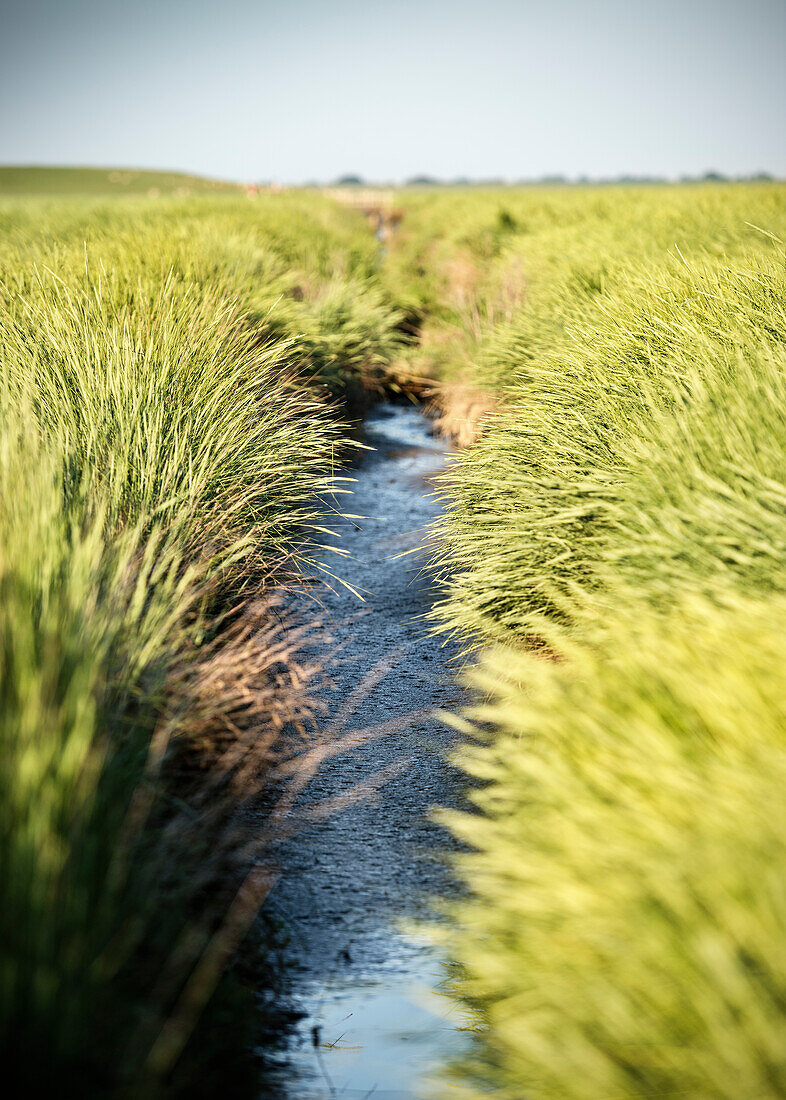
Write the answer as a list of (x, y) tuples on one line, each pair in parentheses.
[(613, 550), (626, 933)]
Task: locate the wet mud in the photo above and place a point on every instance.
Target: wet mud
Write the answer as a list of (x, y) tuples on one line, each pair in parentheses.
[(375, 1017)]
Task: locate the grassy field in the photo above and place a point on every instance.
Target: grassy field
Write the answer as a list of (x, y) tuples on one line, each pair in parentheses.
[(175, 373), (111, 182), (613, 550)]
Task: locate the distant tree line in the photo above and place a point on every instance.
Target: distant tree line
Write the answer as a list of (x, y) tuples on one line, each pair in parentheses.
[(555, 180)]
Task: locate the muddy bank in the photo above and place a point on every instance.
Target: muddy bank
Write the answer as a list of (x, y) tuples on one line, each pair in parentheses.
[(373, 1015)]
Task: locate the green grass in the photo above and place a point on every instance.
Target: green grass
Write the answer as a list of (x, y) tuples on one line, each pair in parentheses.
[(468, 260), (115, 182), (612, 550), (625, 936), (174, 376), (645, 442), (168, 415)]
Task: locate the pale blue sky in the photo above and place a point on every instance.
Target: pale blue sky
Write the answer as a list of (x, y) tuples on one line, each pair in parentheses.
[(311, 89)]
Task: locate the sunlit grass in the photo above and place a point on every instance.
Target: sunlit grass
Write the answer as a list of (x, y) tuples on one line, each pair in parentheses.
[(625, 935), (164, 435), (612, 549)]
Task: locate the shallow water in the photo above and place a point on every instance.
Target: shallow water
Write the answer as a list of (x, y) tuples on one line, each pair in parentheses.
[(375, 1019)]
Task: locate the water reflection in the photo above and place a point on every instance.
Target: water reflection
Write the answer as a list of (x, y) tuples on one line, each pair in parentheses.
[(381, 1040)]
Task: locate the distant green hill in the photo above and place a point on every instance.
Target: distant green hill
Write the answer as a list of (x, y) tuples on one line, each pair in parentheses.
[(102, 181)]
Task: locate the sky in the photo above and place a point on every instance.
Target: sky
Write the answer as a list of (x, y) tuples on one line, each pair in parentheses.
[(303, 90)]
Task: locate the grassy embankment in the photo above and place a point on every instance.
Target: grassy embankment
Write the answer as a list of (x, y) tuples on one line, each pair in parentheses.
[(25, 182), (163, 431), (614, 549)]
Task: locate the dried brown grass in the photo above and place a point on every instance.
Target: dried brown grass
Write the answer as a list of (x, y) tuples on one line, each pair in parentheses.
[(200, 820), (460, 411), (461, 275), (242, 735)]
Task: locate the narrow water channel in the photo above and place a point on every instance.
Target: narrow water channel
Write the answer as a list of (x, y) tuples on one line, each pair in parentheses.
[(375, 1018)]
